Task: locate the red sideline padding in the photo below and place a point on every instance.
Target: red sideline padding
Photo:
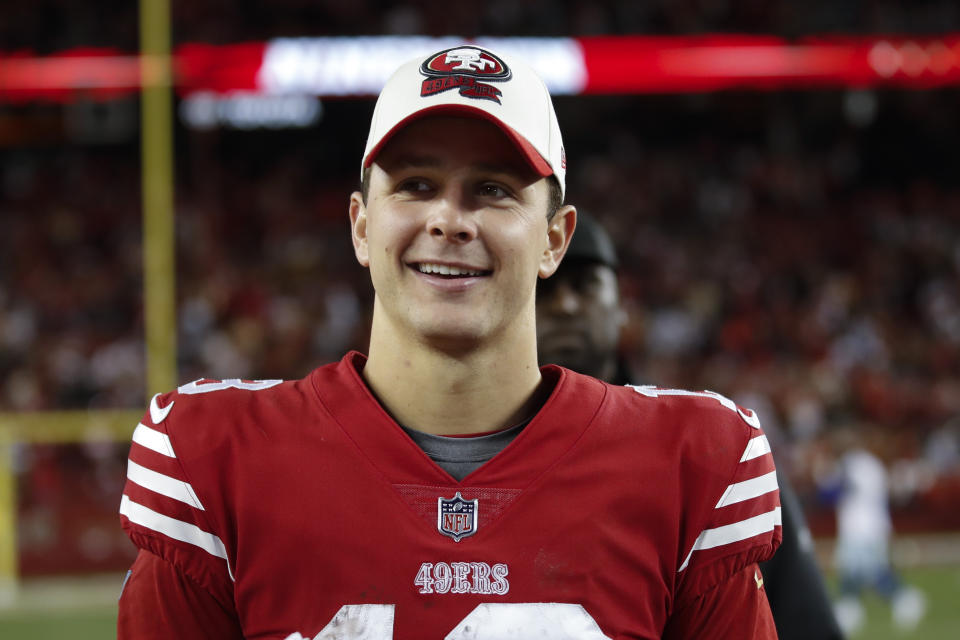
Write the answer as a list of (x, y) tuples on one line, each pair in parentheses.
[(589, 65), (710, 63)]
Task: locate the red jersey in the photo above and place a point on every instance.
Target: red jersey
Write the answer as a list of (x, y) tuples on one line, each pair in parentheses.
[(280, 510)]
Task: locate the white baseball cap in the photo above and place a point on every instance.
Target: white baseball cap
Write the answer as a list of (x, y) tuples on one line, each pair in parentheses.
[(472, 81)]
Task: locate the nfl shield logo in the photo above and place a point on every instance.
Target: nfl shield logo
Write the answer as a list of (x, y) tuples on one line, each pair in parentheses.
[(457, 517)]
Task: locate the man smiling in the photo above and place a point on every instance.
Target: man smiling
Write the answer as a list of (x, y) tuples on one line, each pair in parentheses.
[(454, 236), (444, 486)]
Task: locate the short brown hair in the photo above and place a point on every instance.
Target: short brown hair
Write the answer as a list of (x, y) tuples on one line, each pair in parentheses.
[(554, 202)]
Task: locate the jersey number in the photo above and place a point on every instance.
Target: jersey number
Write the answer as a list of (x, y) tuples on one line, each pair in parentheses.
[(489, 621), (199, 386), (655, 392)]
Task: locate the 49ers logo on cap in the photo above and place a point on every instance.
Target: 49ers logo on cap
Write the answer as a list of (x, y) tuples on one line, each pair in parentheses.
[(462, 68)]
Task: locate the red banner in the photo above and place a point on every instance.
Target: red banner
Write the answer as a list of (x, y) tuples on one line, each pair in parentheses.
[(570, 66)]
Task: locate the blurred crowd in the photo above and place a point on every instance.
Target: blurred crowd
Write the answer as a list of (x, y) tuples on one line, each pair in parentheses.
[(798, 252), (812, 272), (775, 248)]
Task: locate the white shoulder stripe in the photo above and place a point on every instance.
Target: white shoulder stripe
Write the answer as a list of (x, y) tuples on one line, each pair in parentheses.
[(153, 440), (752, 488), (730, 533), (162, 484), (757, 447), (176, 529)]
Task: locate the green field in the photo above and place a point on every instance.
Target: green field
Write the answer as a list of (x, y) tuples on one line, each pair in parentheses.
[(941, 586), (75, 624), (84, 610), (74, 608)]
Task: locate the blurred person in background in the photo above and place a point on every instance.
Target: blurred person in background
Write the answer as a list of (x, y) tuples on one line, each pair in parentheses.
[(859, 486), (579, 322)]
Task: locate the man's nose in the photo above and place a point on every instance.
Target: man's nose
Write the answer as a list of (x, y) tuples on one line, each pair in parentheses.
[(450, 221)]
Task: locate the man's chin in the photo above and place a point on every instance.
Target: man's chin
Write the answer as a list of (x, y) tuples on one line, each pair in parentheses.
[(452, 340)]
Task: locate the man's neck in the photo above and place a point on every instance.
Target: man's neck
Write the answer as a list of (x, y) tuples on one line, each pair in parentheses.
[(450, 392)]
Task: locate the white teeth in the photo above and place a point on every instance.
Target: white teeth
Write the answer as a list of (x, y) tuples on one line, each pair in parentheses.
[(444, 270)]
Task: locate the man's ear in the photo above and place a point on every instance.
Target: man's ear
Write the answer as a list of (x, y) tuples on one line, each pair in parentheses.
[(358, 228), (559, 232)]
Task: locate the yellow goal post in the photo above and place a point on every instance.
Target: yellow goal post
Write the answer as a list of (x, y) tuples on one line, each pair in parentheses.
[(66, 427)]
